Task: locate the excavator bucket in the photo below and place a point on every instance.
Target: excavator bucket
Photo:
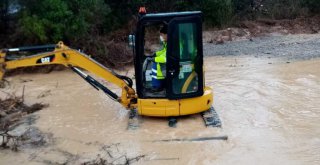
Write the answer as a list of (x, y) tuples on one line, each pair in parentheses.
[(2, 60)]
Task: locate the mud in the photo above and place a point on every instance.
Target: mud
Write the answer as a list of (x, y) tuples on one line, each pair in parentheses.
[(269, 110)]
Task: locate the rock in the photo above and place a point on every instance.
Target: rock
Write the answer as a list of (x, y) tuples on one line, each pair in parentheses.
[(219, 40), (44, 94), (3, 114), (35, 138)]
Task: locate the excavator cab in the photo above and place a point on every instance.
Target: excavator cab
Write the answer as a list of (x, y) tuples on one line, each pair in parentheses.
[(184, 58), (184, 91)]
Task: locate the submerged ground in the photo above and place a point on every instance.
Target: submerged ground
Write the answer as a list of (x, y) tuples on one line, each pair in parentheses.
[(267, 95)]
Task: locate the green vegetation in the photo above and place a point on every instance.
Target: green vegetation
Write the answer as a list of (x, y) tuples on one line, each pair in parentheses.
[(45, 21), (93, 25)]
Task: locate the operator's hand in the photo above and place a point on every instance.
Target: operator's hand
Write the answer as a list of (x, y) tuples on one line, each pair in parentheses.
[(150, 59), (151, 55)]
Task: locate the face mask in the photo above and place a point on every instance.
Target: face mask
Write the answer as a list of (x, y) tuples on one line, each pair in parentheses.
[(161, 39)]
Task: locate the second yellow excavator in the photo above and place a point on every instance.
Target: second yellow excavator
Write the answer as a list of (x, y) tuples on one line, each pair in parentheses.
[(185, 92)]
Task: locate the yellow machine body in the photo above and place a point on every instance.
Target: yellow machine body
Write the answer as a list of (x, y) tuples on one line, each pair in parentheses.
[(165, 107)]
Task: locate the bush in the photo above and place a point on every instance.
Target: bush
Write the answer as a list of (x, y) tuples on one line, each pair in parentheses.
[(313, 5), (276, 9), (217, 12), (49, 21), (282, 9)]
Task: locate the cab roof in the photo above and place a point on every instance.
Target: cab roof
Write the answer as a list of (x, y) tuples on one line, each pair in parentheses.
[(166, 16)]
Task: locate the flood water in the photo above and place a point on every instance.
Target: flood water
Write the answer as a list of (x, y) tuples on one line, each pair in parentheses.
[(269, 110)]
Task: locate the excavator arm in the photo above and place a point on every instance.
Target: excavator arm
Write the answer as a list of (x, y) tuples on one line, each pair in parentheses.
[(61, 54)]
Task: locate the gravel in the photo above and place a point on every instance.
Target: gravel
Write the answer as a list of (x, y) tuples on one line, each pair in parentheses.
[(299, 46)]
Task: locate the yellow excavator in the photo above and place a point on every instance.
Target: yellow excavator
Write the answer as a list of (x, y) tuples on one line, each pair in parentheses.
[(185, 92)]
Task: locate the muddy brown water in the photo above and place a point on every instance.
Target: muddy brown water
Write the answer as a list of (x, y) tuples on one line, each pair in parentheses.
[(269, 110)]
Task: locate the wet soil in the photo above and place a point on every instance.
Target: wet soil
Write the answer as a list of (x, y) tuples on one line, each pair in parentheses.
[(267, 94), (269, 110), (289, 47)]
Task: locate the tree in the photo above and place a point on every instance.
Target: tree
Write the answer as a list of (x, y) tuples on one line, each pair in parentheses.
[(54, 20), (217, 12), (4, 7), (313, 5)]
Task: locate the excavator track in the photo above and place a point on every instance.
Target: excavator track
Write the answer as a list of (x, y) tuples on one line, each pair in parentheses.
[(211, 118), (133, 122)]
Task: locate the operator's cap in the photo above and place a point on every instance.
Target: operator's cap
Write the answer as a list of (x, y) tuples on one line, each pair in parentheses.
[(164, 29)]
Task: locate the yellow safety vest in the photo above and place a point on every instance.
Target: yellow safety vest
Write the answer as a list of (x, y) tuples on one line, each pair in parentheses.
[(161, 59)]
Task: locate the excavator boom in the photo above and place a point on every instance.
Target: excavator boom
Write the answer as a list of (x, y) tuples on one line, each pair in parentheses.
[(61, 54)]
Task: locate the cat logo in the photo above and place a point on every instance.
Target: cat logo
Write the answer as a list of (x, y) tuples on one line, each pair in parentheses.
[(46, 59)]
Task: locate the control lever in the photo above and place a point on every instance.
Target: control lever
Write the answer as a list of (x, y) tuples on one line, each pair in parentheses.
[(172, 71)]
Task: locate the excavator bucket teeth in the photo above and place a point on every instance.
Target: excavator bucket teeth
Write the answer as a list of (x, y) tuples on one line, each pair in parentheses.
[(211, 118), (133, 122)]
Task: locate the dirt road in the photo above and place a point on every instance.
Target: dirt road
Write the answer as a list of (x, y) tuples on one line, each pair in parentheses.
[(269, 109), (300, 46)]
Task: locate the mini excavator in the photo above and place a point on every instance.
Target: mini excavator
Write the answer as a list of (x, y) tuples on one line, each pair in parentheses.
[(185, 92)]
